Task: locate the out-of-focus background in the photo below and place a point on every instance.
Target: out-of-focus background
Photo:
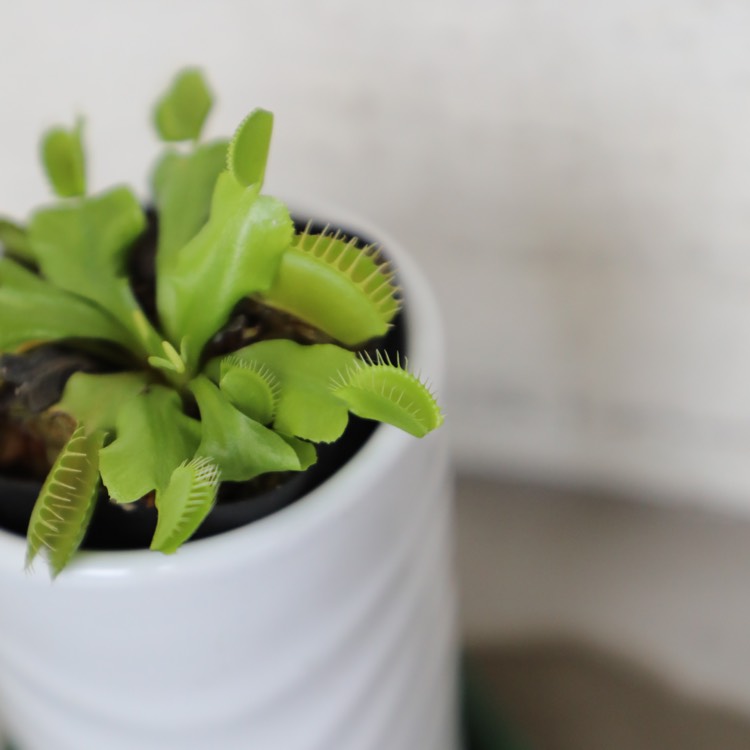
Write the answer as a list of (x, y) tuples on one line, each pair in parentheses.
[(575, 180)]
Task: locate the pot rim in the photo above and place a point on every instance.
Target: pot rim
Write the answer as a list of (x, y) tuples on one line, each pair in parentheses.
[(424, 337)]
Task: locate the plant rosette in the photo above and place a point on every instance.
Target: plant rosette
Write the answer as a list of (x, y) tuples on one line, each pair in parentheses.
[(328, 624)]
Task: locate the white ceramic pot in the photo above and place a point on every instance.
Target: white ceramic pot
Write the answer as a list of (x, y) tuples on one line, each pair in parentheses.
[(327, 626)]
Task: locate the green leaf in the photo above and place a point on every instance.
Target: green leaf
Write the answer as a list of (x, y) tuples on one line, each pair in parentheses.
[(236, 254), (96, 400), (17, 277), (251, 387), (306, 452), (184, 504), (336, 287), (82, 248), (33, 311), (248, 151), (240, 446), (64, 161), (181, 112), (183, 185), (154, 436), (306, 407), (63, 510), (14, 240), (389, 393), (171, 362)]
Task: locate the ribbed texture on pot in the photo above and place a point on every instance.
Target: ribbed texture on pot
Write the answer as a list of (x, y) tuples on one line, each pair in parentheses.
[(340, 634), (329, 625)]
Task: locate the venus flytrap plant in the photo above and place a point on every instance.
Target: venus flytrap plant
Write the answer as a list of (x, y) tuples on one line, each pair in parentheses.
[(162, 416)]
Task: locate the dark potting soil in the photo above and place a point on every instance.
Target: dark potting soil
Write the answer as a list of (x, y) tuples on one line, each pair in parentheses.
[(118, 527)]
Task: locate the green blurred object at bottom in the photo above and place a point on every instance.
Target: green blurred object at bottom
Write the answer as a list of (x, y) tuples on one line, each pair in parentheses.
[(483, 726)]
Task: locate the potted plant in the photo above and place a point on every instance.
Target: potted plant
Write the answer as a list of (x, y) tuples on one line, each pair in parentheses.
[(211, 347)]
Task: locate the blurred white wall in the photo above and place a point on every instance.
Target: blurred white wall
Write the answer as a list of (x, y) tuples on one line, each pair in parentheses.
[(574, 176)]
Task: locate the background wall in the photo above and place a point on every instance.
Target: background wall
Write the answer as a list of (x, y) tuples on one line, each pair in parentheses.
[(574, 176)]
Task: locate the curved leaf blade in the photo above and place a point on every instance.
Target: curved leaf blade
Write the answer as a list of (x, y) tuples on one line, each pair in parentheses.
[(180, 113), (306, 452), (248, 150), (64, 161), (306, 407), (34, 311), (82, 248), (335, 286), (14, 240), (184, 503), (153, 437), (182, 186), (236, 254), (96, 399), (241, 447), (251, 387), (63, 510), (389, 393)]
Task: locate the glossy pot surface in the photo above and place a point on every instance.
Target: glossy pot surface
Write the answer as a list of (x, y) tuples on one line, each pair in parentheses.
[(327, 625)]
